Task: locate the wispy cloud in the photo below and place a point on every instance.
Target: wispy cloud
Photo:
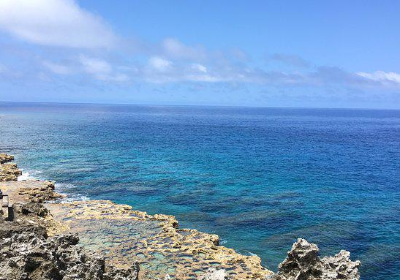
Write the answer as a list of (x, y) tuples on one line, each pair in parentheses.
[(159, 64), (293, 60), (175, 49), (59, 23), (159, 69), (388, 78), (101, 69), (57, 68), (199, 67)]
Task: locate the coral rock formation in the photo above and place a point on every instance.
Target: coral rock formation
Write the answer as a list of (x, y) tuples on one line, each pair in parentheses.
[(9, 172), (121, 234), (5, 158), (303, 262), (40, 194)]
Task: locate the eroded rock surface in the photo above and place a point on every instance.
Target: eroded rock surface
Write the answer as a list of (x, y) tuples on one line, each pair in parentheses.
[(26, 252), (303, 262), (9, 172), (214, 274), (41, 193), (6, 158), (122, 234)]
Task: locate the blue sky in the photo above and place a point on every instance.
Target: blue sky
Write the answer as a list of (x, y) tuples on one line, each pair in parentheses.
[(234, 53)]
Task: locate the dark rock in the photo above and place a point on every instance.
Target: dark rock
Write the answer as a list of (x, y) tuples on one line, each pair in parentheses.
[(27, 253), (31, 208), (6, 158), (303, 263)]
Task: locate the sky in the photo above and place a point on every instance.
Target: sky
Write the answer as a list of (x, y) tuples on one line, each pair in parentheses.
[(335, 54)]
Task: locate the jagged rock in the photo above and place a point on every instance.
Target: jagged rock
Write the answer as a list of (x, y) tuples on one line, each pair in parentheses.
[(303, 263), (31, 208), (41, 194), (27, 253), (6, 158), (9, 172), (123, 274), (341, 266)]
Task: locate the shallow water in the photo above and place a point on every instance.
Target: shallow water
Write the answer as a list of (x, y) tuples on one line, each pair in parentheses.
[(259, 178)]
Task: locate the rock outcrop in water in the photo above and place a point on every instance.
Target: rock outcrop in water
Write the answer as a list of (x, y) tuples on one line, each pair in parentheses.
[(8, 171), (4, 158), (31, 246), (303, 262), (41, 194)]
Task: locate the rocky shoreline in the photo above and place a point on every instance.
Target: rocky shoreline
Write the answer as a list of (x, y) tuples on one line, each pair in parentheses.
[(117, 242)]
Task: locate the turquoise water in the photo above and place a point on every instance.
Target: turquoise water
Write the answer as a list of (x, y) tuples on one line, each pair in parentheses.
[(259, 178)]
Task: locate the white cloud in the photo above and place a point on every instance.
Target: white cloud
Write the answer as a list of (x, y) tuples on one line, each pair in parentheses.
[(381, 76), (159, 64), (175, 49), (293, 60), (117, 78), (95, 66), (203, 78), (199, 67), (54, 23), (101, 69), (57, 68)]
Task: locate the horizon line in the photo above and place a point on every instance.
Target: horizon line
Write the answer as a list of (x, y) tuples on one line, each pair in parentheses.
[(196, 105)]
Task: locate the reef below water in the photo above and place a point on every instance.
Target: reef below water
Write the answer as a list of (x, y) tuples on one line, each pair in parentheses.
[(123, 234)]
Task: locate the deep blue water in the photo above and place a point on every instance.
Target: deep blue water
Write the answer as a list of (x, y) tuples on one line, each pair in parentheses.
[(259, 178)]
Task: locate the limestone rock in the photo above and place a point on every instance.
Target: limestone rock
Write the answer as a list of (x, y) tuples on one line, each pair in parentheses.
[(303, 263), (40, 194), (31, 208), (214, 274), (9, 172), (6, 158), (341, 267), (26, 252), (30, 256)]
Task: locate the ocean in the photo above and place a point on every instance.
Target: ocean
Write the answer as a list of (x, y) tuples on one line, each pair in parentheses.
[(257, 177)]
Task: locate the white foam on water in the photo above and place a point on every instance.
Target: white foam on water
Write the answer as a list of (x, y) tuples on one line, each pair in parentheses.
[(69, 197), (252, 254), (247, 253), (60, 187), (29, 175)]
